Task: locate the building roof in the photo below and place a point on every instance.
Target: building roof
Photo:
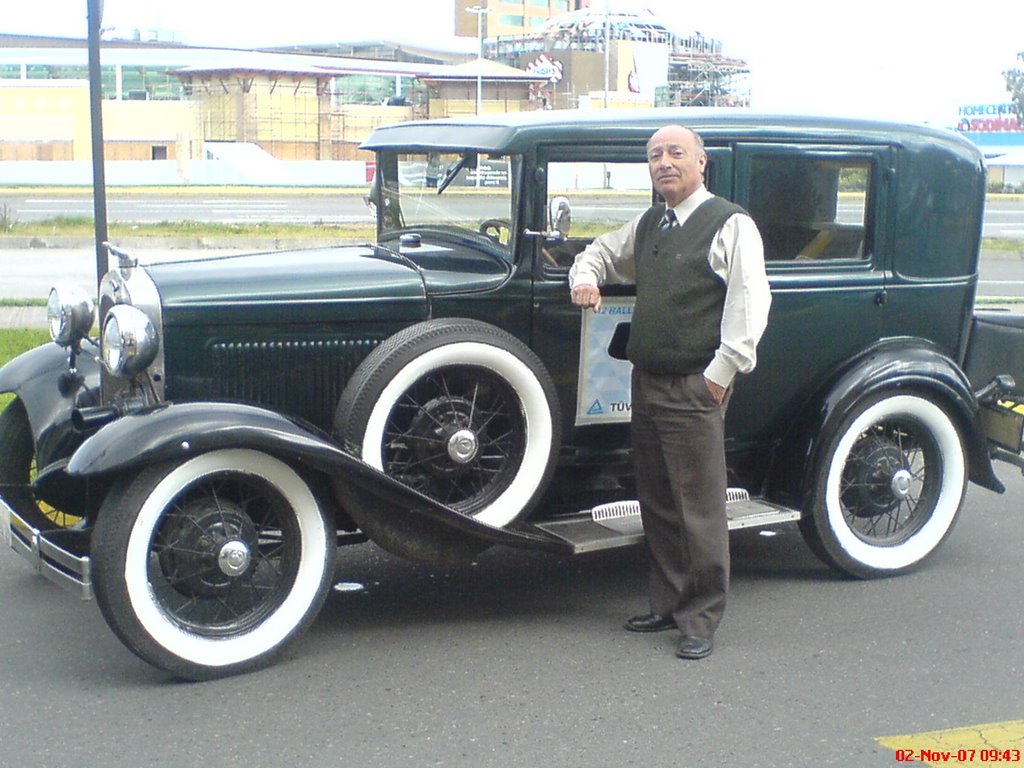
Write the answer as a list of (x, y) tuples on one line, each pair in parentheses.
[(188, 60), (483, 69), (292, 63), (450, 50)]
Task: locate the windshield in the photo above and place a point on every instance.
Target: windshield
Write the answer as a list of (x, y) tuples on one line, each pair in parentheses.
[(459, 193)]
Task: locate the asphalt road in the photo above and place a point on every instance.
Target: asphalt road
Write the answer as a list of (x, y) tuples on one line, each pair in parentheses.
[(1002, 276), (1004, 216), (519, 660)]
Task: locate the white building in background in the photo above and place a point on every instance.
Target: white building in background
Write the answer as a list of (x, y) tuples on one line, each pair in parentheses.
[(999, 133)]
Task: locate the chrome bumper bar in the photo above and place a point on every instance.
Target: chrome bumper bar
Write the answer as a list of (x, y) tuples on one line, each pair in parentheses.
[(59, 555)]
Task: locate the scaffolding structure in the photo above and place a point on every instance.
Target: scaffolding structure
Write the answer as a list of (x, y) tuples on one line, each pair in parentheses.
[(699, 74), (314, 113)]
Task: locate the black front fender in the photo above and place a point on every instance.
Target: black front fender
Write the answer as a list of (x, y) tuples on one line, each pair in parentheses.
[(49, 392), (181, 431)]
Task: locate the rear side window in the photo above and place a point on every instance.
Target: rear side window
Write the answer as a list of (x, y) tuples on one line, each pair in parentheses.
[(811, 207)]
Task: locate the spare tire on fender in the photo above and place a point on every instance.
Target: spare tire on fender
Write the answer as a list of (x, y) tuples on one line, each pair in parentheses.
[(459, 410)]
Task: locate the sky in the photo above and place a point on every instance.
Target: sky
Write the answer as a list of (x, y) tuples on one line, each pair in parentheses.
[(906, 60)]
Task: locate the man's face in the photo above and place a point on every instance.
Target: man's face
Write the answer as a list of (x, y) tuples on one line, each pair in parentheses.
[(676, 163)]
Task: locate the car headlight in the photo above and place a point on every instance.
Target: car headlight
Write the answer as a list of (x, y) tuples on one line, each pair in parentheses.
[(69, 314), (129, 341)]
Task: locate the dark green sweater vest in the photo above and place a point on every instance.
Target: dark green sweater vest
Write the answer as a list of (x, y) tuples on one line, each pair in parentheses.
[(677, 321)]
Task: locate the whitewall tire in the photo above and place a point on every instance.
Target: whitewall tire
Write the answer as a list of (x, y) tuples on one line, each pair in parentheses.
[(888, 487), (210, 566)]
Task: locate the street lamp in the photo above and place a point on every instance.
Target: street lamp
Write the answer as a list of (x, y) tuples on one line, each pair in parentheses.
[(479, 10)]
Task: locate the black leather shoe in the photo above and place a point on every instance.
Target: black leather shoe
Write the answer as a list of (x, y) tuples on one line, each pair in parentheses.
[(691, 647), (651, 622)]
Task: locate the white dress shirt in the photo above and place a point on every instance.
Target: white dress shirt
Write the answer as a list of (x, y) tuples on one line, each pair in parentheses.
[(736, 256)]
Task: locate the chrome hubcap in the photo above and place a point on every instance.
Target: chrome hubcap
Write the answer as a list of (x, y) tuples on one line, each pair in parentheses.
[(463, 446), (901, 484), (234, 558)]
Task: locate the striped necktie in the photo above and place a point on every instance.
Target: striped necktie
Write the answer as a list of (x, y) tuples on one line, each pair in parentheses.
[(669, 220)]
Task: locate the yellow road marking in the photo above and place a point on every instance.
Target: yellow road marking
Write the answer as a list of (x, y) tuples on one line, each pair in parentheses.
[(988, 745)]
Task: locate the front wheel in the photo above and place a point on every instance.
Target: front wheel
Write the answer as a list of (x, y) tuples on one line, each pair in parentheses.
[(209, 566), (888, 487)]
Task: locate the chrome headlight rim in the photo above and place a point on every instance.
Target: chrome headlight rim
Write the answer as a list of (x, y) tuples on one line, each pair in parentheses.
[(70, 314), (128, 343)]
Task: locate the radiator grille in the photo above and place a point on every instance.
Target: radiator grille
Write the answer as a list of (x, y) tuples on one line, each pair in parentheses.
[(301, 378)]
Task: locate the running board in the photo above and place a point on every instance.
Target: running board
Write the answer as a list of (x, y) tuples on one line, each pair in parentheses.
[(609, 526)]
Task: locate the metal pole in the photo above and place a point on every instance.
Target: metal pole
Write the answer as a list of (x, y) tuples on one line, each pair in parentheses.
[(479, 10), (99, 182), (479, 61), (607, 54), (479, 73)]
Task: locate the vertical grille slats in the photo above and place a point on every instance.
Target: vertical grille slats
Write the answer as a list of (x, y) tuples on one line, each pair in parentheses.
[(301, 378)]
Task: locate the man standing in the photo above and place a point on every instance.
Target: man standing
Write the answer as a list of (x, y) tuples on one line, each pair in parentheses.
[(702, 300)]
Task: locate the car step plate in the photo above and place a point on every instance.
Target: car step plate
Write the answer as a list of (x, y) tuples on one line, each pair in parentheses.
[(617, 524)]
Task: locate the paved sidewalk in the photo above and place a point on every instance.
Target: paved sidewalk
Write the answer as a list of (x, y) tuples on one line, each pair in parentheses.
[(22, 317)]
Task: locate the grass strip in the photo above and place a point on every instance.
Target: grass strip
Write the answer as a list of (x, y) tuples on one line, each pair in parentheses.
[(82, 226)]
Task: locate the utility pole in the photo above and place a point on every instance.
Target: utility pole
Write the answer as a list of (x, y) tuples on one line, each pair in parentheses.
[(607, 54), (479, 10), (99, 181)]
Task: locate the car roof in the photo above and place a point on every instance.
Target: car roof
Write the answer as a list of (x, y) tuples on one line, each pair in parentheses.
[(518, 132)]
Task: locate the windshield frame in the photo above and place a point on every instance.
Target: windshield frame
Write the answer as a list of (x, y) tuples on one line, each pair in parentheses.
[(451, 193)]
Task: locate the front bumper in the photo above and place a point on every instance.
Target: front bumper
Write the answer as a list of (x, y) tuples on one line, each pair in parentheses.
[(61, 555)]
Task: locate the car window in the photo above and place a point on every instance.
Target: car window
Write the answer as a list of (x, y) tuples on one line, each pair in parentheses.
[(586, 199), (463, 194), (810, 208)]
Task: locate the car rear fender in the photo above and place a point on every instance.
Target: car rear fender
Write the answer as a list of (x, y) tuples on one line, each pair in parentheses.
[(383, 507), (901, 364)]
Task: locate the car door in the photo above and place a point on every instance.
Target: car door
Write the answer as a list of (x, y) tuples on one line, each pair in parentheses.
[(821, 211)]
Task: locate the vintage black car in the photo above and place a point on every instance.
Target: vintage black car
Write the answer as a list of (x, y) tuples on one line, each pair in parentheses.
[(196, 466)]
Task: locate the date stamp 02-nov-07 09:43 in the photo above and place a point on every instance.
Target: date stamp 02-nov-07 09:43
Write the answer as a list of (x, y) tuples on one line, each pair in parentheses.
[(963, 756)]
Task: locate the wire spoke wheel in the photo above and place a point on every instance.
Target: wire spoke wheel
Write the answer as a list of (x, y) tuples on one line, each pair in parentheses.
[(889, 483), (223, 557), (887, 486), (459, 410), (209, 566), (456, 435)]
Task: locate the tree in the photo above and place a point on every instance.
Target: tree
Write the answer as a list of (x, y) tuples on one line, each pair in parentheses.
[(1015, 85)]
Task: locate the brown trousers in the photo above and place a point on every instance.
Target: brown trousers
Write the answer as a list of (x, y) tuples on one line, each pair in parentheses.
[(679, 451)]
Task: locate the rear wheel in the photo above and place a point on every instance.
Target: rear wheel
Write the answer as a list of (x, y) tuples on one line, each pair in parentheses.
[(18, 471), (459, 410), (888, 488), (208, 567)]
